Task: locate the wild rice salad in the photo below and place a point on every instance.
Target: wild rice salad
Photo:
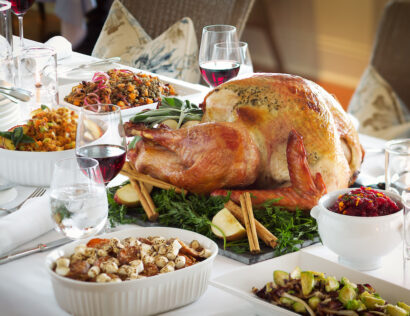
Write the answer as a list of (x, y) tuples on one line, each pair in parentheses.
[(121, 87)]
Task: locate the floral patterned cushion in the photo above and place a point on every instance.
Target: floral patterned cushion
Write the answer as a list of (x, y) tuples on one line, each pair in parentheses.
[(378, 109), (173, 53)]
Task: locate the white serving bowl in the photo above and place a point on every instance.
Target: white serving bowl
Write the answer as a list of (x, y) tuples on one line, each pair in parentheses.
[(30, 168), (360, 242), (148, 296)]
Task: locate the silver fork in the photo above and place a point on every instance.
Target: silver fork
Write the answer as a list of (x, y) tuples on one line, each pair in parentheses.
[(36, 193)]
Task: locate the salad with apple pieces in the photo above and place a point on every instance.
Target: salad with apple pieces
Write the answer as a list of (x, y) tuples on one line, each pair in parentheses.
[(313, 293)]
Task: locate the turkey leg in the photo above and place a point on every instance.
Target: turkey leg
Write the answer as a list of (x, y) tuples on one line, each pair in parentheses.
[(305, 190)]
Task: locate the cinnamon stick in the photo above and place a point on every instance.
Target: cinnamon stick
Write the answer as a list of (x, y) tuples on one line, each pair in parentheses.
[(263, 233), (149, 200), (249, 210), (133, 174), (152, 215), (252, 244)]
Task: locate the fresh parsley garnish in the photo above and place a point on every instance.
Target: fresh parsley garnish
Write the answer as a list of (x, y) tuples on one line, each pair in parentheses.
[(195, 212)]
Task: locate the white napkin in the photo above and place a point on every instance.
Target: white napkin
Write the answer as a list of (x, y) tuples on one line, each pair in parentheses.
[(61, 45), (30, 221)]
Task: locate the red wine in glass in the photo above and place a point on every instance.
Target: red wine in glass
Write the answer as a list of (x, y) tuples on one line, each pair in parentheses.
[(216, 72), (20, 7), (110, 157)]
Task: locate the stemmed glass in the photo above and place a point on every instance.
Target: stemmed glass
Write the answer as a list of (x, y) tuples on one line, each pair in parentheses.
[(78, 199), (218, 68), (20, 7), (231, 51), (100, 135)]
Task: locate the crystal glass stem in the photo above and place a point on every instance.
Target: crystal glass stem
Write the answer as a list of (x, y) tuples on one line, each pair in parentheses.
[(20, 18)]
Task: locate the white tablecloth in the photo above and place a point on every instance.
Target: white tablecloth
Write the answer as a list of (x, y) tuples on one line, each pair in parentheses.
[(25, 288)]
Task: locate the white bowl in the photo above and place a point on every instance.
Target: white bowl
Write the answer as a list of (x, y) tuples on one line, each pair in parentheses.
[(148, 296), (360, 242), (30, 168)]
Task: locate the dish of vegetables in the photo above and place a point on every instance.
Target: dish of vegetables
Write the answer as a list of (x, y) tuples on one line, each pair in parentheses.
[(314, 293), (121, 87)]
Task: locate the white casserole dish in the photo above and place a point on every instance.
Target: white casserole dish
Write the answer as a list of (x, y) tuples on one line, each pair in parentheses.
[(136, 297), (30, 168)]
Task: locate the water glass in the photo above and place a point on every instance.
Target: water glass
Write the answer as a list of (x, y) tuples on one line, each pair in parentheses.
[(405, 197), (397, 165), (6, 38), (398, 180), (37, 72), (6, 44), (78, 198)]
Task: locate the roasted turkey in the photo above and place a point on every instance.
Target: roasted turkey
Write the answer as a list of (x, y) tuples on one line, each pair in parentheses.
[(274, 135)]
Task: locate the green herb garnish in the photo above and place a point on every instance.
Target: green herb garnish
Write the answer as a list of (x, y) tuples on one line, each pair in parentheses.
[(170, 109), (195, 212), (17, 136)]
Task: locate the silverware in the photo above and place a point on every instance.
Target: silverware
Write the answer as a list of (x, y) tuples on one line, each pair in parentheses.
[(21, 94), (38, 248), (10, 97), (37, 192), (97, 63)]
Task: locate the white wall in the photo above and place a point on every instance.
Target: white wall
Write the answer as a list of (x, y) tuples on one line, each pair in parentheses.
[(328, 40)]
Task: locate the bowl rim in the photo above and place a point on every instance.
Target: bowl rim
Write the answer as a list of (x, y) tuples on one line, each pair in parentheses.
[(331, 196), (56, 152), (48, 261)]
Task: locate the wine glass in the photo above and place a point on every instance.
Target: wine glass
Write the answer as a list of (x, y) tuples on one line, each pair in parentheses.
[(20, 8), (78, 198), (100, 135), (230, 50), (217, 69)]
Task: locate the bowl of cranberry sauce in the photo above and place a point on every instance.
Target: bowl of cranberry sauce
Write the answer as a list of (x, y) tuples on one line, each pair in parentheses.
[(360, 225), (364, 201)]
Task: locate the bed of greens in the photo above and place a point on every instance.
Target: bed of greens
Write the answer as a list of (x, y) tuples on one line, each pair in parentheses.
[(195, 212)]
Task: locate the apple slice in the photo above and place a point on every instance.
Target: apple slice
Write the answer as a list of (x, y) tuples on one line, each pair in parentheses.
[(127, 196), (231, 227)]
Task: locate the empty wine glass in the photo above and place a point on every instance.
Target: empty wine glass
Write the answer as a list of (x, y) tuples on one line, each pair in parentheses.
[(78, 198), (20, 7), (217, 69), (100, 135)]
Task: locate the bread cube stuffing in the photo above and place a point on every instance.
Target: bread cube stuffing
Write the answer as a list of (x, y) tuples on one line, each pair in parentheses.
[(113, 260)]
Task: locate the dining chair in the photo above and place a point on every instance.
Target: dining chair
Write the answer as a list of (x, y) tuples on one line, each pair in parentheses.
[(381, 102), (155, 16)]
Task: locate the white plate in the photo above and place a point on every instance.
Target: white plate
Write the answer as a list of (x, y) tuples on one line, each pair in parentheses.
[(240, 281), (66, 89), (148, 296), (183, 91)]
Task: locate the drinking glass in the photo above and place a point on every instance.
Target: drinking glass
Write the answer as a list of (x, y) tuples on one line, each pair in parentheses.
[(230, 50), (78, 198), (397, 165), (100, 135), (6, 47), (397, 176), (405, 197), (36, 69), (217, 69), (20, 7), (6, 35)]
